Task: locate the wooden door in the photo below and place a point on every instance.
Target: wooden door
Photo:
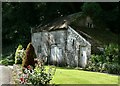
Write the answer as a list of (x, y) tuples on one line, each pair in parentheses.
[(56, 55)]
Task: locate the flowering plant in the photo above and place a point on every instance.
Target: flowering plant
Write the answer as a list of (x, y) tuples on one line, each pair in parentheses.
[(36, 76)]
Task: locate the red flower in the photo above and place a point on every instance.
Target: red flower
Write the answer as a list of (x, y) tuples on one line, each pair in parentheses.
[(22, 79), (29, 67)]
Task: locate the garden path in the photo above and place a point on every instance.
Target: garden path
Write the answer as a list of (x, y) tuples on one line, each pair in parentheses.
[(5, 74)]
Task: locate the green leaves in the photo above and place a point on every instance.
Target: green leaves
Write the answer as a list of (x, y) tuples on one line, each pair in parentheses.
[(111, 53), (19, 54), (107, 62), (40, 76)]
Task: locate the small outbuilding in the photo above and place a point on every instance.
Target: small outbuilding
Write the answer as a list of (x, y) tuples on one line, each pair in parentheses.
[(59, 44)]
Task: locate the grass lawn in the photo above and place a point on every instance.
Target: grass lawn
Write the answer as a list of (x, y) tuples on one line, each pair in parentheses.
[(73, 76)]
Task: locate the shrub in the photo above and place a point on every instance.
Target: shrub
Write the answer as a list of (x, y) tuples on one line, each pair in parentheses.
[(40, 76), (29, 56), (108, 62), (4, 62), (37, 76), (94, 63), (111, 53), (113, 68), (19, 54), (7, 60)]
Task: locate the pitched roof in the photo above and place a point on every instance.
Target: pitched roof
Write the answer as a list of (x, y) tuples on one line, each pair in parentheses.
[(57, 24)]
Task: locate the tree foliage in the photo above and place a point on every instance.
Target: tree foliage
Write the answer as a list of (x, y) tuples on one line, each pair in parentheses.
[(107, 13), (19, 17), (92, 9), (111, 18)]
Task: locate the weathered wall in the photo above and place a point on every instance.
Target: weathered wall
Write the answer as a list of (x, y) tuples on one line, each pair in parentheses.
[(62, 47), (78, 49), (57, 47), (36, 41), (51, 45)]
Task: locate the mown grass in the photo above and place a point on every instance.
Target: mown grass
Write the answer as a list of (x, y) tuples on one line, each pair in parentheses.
[(73, 76)]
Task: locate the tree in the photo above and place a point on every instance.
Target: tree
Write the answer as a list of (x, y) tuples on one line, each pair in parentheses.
[(17, 20), (19, 17), (29, 57), (92, 9), (110, 15)]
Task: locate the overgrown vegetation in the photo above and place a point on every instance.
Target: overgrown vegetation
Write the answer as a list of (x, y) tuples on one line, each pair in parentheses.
[(107, 62)]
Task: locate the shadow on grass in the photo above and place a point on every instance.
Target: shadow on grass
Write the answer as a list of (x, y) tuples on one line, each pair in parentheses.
[(66, 67)]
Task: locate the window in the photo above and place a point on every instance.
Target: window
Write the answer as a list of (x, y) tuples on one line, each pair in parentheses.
[(73, 42)]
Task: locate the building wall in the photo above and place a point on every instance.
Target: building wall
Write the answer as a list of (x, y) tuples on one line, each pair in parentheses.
[(50, 45), (62, 47), (78, 49)]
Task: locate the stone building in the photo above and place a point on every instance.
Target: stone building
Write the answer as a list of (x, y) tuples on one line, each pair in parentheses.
[(59, 44)]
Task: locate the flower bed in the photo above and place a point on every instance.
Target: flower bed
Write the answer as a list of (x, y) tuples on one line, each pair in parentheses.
[(35, 76), (30, 70)]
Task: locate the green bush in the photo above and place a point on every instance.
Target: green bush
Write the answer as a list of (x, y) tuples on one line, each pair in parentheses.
[(108, 62), (19, 54), (4, 62), (94, 63), (7, 60), (11, 59), (113, 68), (111, 53), (40, 76)]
